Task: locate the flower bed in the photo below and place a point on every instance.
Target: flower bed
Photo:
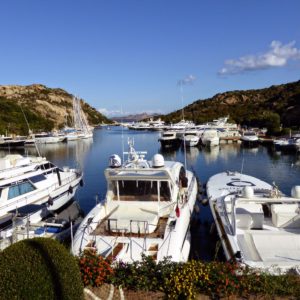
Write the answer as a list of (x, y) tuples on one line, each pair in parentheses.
[(187, 280)]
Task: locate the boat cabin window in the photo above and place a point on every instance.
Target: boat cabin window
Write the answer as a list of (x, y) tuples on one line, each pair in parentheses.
[(134, 190), (37, 178), (20, 189), (47, 166)]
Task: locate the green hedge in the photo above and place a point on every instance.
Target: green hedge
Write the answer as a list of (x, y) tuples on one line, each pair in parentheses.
[(39, 268)]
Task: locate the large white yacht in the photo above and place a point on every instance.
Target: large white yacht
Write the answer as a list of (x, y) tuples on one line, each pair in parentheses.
[(26, 181), (147, 210), (257, 224)]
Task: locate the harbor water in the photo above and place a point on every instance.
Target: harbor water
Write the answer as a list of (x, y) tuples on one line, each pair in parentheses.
[(91, 155)]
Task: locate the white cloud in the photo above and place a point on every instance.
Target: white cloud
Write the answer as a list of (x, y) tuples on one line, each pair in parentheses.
[(187, 80), (278, 56)]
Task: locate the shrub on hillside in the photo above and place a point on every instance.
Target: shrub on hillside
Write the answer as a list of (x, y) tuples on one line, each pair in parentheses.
[(39, 268)]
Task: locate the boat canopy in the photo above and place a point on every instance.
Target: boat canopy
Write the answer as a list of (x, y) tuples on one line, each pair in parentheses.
[(140, 174)]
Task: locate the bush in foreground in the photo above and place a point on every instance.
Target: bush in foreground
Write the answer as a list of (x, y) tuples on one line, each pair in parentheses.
[(39, 268)]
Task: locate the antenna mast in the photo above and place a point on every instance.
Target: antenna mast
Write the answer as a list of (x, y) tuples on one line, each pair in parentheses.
[(184, 145), (29, 132)]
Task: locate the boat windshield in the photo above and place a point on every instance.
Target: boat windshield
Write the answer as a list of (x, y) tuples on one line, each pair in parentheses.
[(141, 190)]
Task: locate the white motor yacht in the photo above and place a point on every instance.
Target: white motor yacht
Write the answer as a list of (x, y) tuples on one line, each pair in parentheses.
[(210, 138), (28, 181), (147, 211), (257, 224)]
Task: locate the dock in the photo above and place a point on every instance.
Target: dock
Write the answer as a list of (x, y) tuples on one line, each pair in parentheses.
[(230, 140)]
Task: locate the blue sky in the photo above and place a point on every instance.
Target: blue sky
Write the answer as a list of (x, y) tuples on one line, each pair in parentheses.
[(132, 55)]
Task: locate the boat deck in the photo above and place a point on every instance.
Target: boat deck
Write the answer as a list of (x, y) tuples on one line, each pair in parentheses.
[(270, 246), (103, 228)]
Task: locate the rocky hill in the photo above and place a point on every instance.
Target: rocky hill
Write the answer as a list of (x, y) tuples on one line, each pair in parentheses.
[(45, 109), (273, 106)]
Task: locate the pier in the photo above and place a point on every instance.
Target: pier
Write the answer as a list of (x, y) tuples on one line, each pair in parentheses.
[(230, 140)]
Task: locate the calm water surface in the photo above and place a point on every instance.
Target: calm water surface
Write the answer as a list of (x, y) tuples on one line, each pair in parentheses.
[(92, 157)]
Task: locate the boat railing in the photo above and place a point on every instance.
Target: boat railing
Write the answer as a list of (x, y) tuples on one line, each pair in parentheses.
[(191, 186)]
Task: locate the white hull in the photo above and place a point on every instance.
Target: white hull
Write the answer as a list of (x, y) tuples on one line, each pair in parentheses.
[(211, 141)]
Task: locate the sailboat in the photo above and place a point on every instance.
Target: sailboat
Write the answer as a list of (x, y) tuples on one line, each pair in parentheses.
[(81, 129)]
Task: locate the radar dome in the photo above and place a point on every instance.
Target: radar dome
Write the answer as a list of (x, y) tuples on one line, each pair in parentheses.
[(296, 191), (115, 161), (158, 161), (248, 192)]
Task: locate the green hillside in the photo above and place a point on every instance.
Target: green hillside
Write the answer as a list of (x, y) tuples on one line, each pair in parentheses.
[(269, 107), (45, 109)]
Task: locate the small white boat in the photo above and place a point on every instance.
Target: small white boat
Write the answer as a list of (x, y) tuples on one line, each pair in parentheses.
[(190, 137), (147, 210), (250, 138), (257, 224)]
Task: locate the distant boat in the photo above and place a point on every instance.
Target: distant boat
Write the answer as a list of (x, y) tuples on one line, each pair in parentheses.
[(7, 142), (169, 139), (250, 138), (210, 137), (47, 138), (80, 121), (191, 137)]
